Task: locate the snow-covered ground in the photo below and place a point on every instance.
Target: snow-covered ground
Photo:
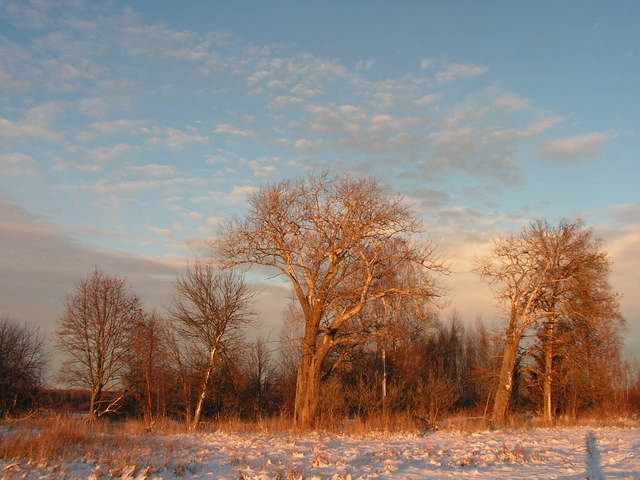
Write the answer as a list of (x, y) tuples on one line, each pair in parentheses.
[(566, 453)]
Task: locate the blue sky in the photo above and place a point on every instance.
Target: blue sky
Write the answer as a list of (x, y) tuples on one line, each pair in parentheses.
[(129, 131)]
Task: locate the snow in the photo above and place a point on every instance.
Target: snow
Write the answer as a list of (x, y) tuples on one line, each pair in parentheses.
[(566, 453)]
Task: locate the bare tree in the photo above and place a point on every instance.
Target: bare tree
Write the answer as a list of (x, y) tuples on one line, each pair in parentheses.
[(211, 309), (337, 240), (21, 365), (538, 273), (259, 373), (579, 293), (146, 365), (94, 333)]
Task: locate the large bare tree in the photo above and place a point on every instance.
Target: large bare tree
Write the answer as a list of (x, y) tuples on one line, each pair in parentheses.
[(211, 309), (337, 240), (94, 334)]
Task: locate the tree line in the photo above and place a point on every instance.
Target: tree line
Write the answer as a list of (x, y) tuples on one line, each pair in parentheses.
[(362, 335)]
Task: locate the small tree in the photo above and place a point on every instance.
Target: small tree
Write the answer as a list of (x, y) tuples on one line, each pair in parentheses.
[(21, 366), (93, 333), (210, 310), (146, 366), (338, 241)]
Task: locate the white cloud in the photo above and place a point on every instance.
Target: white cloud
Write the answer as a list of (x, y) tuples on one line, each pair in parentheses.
[(228, 129), (583, 146), (16, 164), (457, 71)]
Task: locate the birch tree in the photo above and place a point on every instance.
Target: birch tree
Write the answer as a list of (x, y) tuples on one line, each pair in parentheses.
[(336, 240), (93, 333), (210, 310)]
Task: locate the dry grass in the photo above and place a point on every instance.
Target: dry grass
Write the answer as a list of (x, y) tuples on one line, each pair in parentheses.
[(47, 438)]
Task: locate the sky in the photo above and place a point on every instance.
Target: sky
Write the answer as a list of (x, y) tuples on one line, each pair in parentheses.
[(129, 132)]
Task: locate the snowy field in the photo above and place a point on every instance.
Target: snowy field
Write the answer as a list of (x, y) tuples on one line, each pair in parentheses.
[(563, 453)]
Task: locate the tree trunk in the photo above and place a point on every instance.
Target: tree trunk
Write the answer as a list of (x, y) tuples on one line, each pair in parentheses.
[(384, 383), (505, 381), (307, 391), (203, 390), (95, 401), (548, 370)]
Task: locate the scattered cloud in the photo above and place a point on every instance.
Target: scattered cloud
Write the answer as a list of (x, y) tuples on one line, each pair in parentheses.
[(426, 63), (175, 138), (16, 164), (153, 170), (284, 101), (579, 147), (457, 71), (264, 167), (626, 214), (35, 123), (243, 191), (228, 129), (365, 64), (93, 107), (427, 100)]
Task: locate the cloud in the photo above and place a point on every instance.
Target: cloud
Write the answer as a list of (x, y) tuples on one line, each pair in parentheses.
[(628, 213), (264, 167), (228, 129), (111, 187), (111, 128), (93, 158), (365, 64), (426, 63), (509, 101), (93, 107), (355, 128), (243, 191), (35, 124), (475, 152), (457, 71), (583, 146), (41, 264), (284, 101), (16, 164), (153, 170), (175, 138), (427, 100)]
